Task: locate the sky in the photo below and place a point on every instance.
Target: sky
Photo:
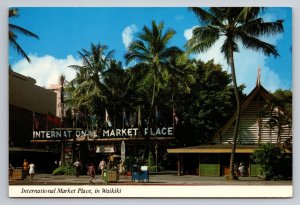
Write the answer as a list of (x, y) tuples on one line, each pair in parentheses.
[(65, 31)]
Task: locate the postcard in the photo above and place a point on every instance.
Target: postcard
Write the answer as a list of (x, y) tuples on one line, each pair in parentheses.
[(150, 102)]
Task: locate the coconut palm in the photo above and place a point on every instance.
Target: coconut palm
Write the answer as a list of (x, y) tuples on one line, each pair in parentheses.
[(236, 24), (152, 53), (12, 34), (86, 90), (94, 64)]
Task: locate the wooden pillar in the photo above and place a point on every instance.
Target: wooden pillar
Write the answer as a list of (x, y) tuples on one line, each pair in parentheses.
[(182, 165), (178, 165), (249, 167), (199, 165)]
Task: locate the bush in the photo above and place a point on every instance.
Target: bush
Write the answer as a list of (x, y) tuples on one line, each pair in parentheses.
[(64, 170), (150, 160), (129, 162), (153, 168), (273, 162)]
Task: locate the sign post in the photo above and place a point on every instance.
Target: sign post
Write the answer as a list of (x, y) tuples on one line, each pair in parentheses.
[(123, 151)]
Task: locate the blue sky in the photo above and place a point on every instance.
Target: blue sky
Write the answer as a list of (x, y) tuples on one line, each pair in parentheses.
[(64, 31)]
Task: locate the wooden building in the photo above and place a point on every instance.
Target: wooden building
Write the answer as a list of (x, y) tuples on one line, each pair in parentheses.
[(213, 159)]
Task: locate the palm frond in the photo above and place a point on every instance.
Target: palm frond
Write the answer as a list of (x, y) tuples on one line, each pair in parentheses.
[(258, 45), (229, 43), (18, 29), (204, 17), (19, 49), (203, 38), (258, 27)]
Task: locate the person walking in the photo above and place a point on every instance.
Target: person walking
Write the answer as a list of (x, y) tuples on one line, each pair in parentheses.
[(11, 171), (91, 172), (26, 167), (102, 166), (31, 170), (241, 169), (77, 165)]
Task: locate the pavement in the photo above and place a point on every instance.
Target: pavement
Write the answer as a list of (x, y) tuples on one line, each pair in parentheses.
[(162, 178)]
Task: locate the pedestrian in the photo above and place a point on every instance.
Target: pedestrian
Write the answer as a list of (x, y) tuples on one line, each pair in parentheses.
[(121, 167), (77, 165), (91, 172), (102, 166), (26, 167), (241, 169), (31, 170), (11, 171)]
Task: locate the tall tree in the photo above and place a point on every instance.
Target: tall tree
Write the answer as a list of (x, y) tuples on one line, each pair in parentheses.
[(12, 34), (236, 24), (89, 83), (151, 51)]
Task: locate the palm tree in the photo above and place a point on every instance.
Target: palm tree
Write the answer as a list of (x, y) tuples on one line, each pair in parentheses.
[(152, 54), (12, 34), (94, 63), (237, 24), (86, 90)]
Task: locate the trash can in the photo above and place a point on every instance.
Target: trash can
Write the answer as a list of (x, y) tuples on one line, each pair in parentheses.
[(144, 174), (135, 173)]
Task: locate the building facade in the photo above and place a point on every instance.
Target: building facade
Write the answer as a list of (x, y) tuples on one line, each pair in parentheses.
[(29, 106), (213, 159)]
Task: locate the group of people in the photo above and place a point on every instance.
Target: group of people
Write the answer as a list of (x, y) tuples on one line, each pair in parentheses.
[(91, 170)]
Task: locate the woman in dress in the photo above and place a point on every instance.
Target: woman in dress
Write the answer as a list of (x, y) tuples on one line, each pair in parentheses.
[(31, 170)]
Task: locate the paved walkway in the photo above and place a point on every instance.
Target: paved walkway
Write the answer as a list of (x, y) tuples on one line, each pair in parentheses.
[(169, 178)]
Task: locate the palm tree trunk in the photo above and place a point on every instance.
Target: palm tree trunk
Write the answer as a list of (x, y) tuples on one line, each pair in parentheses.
[(237, 117)]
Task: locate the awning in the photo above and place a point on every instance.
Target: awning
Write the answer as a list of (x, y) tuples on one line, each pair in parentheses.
[(212, 149), (31, 149)]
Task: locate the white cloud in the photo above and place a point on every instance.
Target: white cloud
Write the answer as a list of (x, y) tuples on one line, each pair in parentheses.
[(188, 33), (46, 69), (246, 63), (127, 34)]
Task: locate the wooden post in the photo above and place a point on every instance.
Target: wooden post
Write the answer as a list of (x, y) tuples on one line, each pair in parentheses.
[(178, 165), (249, 167), (199, 165)]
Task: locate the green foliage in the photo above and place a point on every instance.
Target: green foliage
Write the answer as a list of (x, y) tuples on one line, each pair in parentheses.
[(208, 105), (273, 162), (129, 162), (14, 32), (150, 160), (153, 168), (65, 170), (278, 111)]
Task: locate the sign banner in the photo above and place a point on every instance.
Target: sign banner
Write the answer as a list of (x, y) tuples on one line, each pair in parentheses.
[(68, 133), (105, 149)]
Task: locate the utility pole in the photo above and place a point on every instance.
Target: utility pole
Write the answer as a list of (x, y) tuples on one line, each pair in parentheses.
[(62, 81)]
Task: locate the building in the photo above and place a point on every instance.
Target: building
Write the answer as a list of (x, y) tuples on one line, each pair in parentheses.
[(57, 89), (28, 103), (213, 159)]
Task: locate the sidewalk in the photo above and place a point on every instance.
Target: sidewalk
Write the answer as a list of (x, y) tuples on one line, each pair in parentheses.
[(155, 179)]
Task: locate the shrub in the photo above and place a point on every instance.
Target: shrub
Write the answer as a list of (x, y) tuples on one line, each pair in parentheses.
[(273, 162), (153, 168), (64, 170)]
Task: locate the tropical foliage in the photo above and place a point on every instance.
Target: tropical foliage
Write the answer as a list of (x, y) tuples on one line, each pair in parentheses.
[(65, 170), (273, 161), (13, 32), (233, 25), (278, 111), (153, 57), (163, 84)]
